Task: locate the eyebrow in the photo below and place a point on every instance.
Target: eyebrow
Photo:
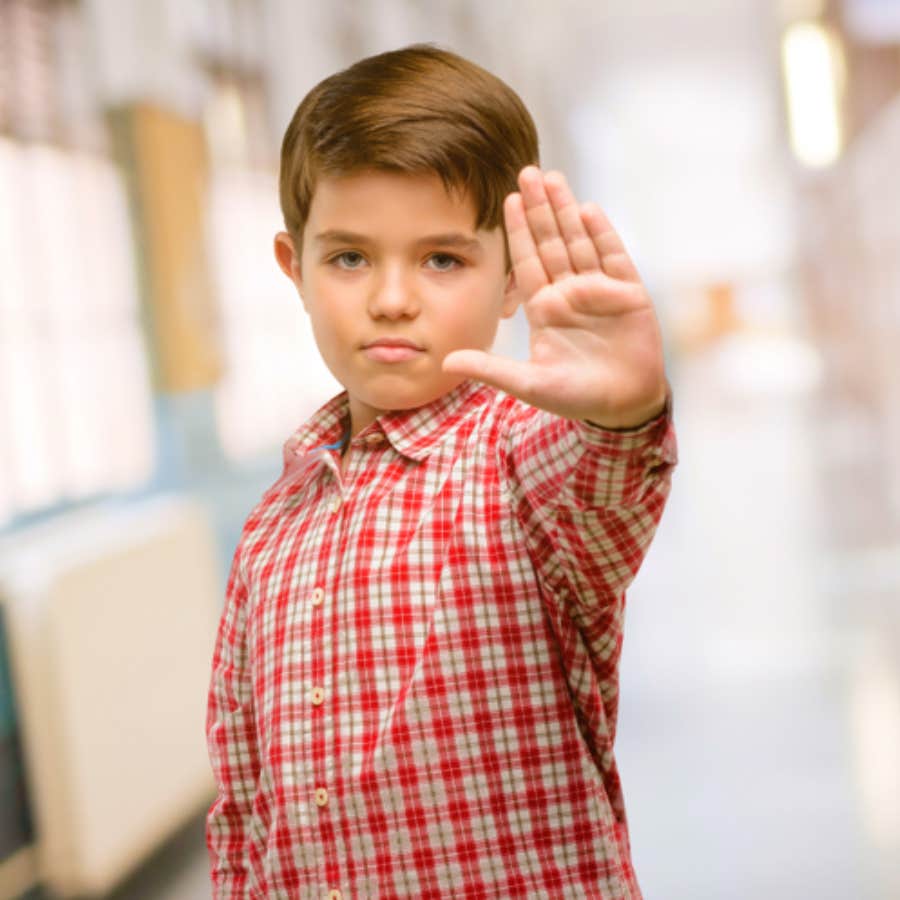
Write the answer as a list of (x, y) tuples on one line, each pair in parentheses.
[(450, 239)]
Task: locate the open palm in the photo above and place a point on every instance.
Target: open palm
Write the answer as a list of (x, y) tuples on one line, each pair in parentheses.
[(595, 344)]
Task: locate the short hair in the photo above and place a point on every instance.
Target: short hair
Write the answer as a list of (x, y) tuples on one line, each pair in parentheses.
[(416, 110)]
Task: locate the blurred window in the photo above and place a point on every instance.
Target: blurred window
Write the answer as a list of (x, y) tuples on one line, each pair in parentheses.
[(274, 376), (75, 400)]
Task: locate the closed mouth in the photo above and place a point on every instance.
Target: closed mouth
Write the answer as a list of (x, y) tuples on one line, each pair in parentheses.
[(393, 342)]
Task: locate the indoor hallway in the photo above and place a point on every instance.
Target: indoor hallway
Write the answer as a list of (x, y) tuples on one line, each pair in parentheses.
[(758, 735)]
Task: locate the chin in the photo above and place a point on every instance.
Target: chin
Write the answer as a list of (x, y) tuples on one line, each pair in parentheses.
[(407, 393)]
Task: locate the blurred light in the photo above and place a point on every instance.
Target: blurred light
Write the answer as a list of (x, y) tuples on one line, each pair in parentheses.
[(814, 83)]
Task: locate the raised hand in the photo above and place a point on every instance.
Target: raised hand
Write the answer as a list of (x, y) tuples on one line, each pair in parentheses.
[(595, 344)]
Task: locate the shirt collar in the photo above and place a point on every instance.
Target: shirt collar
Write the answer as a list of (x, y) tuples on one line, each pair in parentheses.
[(415, 433)]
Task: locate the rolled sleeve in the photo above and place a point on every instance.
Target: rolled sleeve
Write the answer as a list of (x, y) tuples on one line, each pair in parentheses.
[(597, 496), (620, 468)]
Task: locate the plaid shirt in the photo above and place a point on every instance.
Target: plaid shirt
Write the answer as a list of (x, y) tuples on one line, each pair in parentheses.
[(415, 679)]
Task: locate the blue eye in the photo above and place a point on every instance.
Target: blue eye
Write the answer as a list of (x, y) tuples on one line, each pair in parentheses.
[(348, 260), (443, 262)]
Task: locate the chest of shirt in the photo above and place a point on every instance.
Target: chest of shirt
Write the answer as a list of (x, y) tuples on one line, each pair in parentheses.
[(357, 573)]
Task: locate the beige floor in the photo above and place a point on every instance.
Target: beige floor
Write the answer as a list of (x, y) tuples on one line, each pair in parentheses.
[(760, 729)]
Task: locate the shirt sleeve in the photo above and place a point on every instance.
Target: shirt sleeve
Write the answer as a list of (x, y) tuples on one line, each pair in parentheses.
[(590, 499), (231, 743)]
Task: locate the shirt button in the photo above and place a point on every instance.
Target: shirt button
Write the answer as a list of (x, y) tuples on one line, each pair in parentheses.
[(334, 504), (335, 895), (321, 796), (376, 437), (318, 595), (317, 695)]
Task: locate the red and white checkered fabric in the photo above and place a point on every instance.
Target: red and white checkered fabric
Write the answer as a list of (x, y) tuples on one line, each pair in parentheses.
[(415, 680)]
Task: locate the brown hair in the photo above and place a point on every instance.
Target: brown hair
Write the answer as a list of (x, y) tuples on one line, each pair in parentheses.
[(415, 110)]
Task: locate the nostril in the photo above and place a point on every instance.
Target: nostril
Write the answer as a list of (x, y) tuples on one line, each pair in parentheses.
[(393, 303)]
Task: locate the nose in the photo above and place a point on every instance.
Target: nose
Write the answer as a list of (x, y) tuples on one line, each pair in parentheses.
[(393, 294)]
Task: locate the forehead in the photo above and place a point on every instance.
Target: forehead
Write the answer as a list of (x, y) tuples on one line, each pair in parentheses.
[(378, 199)]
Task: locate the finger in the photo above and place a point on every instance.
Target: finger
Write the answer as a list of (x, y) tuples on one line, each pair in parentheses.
[(513, 376), (529, 270), (614, 260), (582, 252), (598, 294), (551, 246)]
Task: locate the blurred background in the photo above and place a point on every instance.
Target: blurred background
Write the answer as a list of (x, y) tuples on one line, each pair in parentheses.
[(153, 359)]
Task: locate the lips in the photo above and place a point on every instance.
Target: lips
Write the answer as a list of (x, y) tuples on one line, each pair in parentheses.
[(393, 342), (392, 350)]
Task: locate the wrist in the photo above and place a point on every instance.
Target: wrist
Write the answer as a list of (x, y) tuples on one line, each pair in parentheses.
[(635, 419)]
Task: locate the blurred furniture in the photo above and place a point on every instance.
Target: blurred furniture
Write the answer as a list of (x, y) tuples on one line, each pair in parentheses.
[(164, 154), (111, 617)]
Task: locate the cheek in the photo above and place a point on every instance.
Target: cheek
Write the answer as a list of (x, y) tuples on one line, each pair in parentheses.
[(328, 310), (326, 327), (333, 334), (469, 328)]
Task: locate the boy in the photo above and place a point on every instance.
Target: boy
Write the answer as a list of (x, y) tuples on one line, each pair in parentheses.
[(414, 686)]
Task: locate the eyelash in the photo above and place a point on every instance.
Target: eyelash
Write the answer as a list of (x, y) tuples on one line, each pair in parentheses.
[(337, 258)]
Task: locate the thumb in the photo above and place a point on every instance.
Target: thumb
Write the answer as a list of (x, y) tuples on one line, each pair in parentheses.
[(510, 375)]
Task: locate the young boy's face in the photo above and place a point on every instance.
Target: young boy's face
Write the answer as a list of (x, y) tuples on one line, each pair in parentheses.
[(394, 276)]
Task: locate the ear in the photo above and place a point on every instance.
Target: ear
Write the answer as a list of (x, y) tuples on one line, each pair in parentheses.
[(511, 296), (287, 259)]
